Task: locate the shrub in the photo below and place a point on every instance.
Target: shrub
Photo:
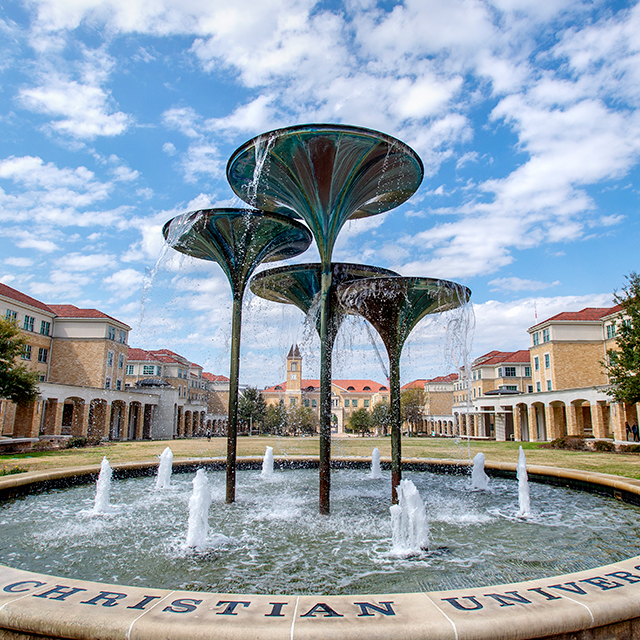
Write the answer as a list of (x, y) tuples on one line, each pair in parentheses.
[(76, 442), (629, 448), (572, 443), (604, 445)]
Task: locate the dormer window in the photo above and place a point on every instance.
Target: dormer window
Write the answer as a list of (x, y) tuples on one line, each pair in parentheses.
[(366, 388), (350, 388)]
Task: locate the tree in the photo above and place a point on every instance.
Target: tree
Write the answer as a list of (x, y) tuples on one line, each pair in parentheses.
[(359, 422), (623, 363), (381, 417), (17, 383), (411, 404), (275, 419), (302, 420), (252, 408)]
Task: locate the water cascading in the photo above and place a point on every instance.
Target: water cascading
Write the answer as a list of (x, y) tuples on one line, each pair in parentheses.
[(165, 468), (524, 502), (267, 463), (409, 526), (199, 504), (479, 479), (103, 489), (376, 471)]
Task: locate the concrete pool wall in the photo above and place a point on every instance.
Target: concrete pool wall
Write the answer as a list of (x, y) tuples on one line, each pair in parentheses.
[(596, 604)]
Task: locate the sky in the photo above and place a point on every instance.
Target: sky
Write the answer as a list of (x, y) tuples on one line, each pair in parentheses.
[(116, 116)]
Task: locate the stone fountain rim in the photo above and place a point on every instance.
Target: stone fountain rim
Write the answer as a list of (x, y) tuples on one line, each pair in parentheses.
[(597, 603)]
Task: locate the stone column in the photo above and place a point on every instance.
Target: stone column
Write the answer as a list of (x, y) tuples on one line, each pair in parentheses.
[(573, 422), (84, 419), (617, 421), (500, 426), (533, 424), (552, 428), (517, 423), (598, 419)]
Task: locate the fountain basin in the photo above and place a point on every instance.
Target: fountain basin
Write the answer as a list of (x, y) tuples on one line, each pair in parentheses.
[(599, 602)]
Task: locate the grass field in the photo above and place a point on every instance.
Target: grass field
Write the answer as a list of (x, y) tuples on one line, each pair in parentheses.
[(616, 463)]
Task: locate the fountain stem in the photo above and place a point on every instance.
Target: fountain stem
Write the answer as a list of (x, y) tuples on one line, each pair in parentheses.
[(326, 348), (234, 373), (396, 424)]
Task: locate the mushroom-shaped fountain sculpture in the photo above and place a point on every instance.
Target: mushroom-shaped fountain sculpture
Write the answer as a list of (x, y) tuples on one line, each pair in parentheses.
[(394, 306), (238, 240), (325, 174)]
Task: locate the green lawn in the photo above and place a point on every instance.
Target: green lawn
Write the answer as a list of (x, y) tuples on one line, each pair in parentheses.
[(619, 464)]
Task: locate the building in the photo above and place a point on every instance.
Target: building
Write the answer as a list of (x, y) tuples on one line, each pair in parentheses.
[(566, 395), (346, 395), (89, 388)]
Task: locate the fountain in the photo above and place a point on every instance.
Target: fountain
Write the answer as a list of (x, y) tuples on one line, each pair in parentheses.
[(238, 240), (267, 463), (325, 174), (199, 504), (524, 503), (103, 489), (165, 467), (479, 479), (376, 471), (409, 527)]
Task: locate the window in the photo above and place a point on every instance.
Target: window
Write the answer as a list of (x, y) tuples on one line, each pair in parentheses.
[(538, 387), (536, 339), (129, 369), (294, 366), (118, 385), (122, 337), (121, 361), (474, 392), (354, 403), (545, 335), (509, 372), (314, 402), (147, 369), (29, 321), (611, 330), (11, 316), (346, 402), (306, 402), (26, 353), (530, 388), (107, 383), (366, 403), (527, 371), (110, 359), (112, 333), (292, 402), (158, 370), (43, 355), (536, 363), (547, 360), (479, 374), (548, 385), (45, 328)]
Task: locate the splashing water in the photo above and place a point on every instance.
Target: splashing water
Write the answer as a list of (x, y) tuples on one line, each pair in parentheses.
[(199, 504), (479, 479), (103, 488), (165, 467), (267, 463), (523, 487), (376, 473), (409, 526)]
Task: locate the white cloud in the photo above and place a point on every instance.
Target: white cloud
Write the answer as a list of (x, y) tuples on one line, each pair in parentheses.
[(42, 246), (86, 262), (124, 283), (19, 262), (519, 284)]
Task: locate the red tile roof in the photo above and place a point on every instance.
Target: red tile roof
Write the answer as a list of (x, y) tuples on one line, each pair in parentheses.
[(452, 377), (498, 357), (71, 311), (358, 386), (18, 296), (589, 314), (414, 384), (212, 377)]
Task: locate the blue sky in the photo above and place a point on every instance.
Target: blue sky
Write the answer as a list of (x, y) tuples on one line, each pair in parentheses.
[(118, 115)]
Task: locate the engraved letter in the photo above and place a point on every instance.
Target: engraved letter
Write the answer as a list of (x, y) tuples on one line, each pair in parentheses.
[(110, 598), (603, 583), (365, 608), (276, 612), (506, 600), (323, 608), (458, 605), (571, 587), (230, 609), (624, 575), (183, 606), (62, 591), (11, 588), (548, 596), (144, 602)]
